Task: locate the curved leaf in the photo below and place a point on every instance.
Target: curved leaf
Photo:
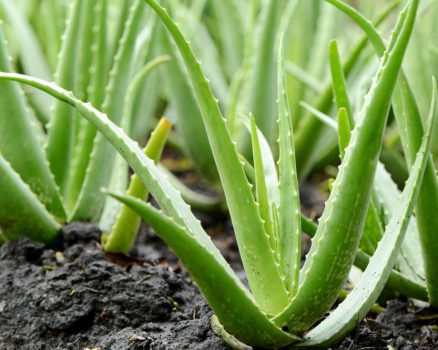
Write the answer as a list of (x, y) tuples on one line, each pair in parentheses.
[(367, 290)]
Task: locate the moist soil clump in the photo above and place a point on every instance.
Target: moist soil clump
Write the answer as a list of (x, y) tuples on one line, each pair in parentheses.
[(73, 296)]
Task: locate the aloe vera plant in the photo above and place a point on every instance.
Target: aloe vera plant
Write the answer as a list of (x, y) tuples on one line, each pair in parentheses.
[(284, 302), (54, 165)]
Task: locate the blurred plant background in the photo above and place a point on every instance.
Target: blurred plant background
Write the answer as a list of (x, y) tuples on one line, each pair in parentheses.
[(233, 40)]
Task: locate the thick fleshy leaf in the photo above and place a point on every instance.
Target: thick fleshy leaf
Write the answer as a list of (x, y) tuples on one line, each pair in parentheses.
[(335, 243), (289, 208), (125, 228), (308, 149), (86, 134), (90, 201), (367, 290), (21, 213), (411, 131), (61, 128), (26, 158), (224, 292), (31, 54), (261, 187), (263, 274), (188, 117)]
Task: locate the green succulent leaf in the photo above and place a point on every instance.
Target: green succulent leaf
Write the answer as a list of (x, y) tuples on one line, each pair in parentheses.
[(258, 259), (344, 130), (16, 126), (262, 97), (289, 208), (339, 83), (367, 290), (31, 54), (260, 183), (338, 235), (21, 212), (311, 130), (90, 201), (86, 134), (252, 326), (125, 228), (411, 131), (61, 128), (188, 117), (119, 178)]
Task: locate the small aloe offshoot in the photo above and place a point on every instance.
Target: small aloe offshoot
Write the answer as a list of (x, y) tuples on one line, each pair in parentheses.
[(284, 301), (123, 233)]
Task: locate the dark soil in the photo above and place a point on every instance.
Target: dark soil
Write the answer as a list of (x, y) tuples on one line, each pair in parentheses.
[(75, 297), (81, 299)]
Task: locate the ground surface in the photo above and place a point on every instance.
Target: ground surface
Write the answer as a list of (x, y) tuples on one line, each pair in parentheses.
[(75, 297)]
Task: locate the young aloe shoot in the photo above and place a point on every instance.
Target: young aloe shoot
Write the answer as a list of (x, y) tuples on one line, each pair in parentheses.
[(123, 233)]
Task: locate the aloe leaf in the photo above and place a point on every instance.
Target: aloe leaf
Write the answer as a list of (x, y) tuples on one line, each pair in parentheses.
[(304, 77), (263, 275), (262, 97), (154, 179), (60, 134), (289, 208), (367, 290), (21, 212), (87, 132), (250, 326), (231, 34), (119, 178), (269, 167), (261, 187), (301, 35), (339, 83), (188, 117), (122, 18), (344, 130), (15, 127), (90, 201), (338, 235), (373, 230), (50, 32), (31, 55), (386, 194), (239, 87), (396, 281), (407, 115), (182, 219), (328, 24), (125, 228), (197, 201), (411, 130), (310, 130), (204, 48)]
